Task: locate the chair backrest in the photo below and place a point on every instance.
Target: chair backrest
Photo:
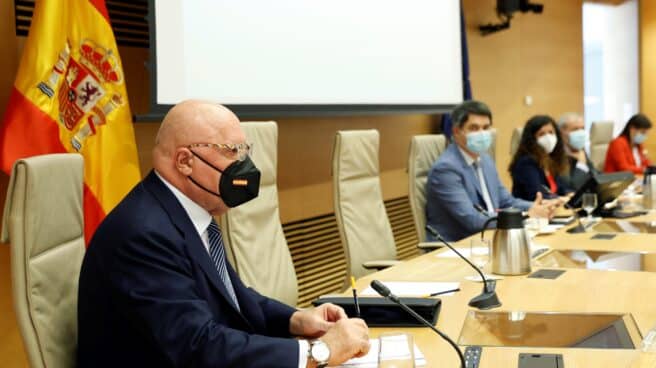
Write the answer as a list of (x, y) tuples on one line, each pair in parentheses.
[(424, 151), (44, 223), (514, 140), (492, 151), (601, 133), (252, 232), (364, 227)]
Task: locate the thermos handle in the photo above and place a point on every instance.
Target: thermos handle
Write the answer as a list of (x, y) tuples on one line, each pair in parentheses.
[(485, 226)]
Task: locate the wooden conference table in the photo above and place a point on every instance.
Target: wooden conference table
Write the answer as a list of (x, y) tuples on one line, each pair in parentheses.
[(578, 290)]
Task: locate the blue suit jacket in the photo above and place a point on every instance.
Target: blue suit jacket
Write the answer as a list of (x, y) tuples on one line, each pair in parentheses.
[(150, 296), (452, 190), (529, 178)]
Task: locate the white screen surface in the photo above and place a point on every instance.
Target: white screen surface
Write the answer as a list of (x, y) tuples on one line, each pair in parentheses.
[(309, 52)]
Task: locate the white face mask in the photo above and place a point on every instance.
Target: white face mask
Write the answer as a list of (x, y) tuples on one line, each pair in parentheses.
[(548, 142)]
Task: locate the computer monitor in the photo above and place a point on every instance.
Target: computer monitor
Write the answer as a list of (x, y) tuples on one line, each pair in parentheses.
[(607, 187)]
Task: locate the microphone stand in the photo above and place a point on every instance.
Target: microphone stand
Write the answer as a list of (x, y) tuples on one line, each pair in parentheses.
[(385, 292), (579, 228), (488, 298)]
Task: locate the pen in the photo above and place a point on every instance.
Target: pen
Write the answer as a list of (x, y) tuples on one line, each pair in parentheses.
[(355, 298), (442, 292), (550, 194), (481, 210)]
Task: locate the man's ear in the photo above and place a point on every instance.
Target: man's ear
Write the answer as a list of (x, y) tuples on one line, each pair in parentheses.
[(183, 160), (455, 130)]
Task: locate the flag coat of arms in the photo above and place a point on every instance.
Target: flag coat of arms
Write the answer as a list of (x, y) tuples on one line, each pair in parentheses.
[(70, 96)]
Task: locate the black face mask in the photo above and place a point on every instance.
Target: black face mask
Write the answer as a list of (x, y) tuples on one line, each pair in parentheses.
[(239, 183)]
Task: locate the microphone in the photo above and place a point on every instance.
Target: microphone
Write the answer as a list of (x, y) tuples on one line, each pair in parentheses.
[(488, 298), (385, 292)]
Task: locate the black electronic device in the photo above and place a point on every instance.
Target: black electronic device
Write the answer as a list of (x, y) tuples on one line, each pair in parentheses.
[(505, 11), (473, 356), (488, 298), (546, 274), (380, 312), (607, 187), (385, 292), (528, 360), (508, 7)]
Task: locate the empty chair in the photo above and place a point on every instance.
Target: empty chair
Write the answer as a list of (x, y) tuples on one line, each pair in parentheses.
[(364, 227), (514, 140), (44, 223), (424, 151), (601, 133), (252, 232)]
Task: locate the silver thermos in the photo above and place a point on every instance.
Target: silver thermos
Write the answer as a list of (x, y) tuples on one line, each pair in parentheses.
[(510, 246)]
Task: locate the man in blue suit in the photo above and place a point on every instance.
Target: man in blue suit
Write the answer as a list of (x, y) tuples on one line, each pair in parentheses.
[(155, 287), (463, 188)]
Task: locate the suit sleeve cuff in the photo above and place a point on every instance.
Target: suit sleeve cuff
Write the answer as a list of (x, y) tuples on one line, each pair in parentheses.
[(303, 348)]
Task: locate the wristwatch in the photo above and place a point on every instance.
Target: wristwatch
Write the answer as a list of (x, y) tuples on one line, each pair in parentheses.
[(319, 352)]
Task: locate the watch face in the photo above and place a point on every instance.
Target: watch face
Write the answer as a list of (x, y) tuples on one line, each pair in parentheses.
[(320, 351)]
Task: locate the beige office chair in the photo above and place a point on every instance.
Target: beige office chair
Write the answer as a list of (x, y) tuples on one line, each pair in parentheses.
[(43, 221), (424, 151), (364, 227), (514, 140), (492, 151), (252, 232), (601, 133)]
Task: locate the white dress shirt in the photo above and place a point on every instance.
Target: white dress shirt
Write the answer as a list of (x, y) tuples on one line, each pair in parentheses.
[(201, 219), (476, 166), (636, 156)]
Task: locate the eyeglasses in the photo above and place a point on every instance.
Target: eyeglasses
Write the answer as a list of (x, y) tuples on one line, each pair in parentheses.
[(238, 151)]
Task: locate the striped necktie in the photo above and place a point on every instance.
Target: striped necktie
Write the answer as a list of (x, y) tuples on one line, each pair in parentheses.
[(217, 252)]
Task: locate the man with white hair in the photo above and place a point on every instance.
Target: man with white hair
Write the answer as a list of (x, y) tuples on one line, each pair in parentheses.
[(572, 130)]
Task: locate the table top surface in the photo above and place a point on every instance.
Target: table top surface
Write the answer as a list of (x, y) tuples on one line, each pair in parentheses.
[(578, 290)]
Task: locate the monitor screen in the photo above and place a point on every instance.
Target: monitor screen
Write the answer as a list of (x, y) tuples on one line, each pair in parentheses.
[(607, 187)]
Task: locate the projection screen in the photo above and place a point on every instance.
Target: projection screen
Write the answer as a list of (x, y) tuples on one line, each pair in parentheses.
[(300, 57)]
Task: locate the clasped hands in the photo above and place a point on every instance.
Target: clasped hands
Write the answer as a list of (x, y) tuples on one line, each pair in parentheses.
[(346, 337)]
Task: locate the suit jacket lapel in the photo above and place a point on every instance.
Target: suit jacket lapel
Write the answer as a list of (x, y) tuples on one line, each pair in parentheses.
[(491, 189), (471, 176), (197, 250)]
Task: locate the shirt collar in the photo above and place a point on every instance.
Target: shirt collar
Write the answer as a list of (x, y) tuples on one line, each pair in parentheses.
[(198, 215), (468, 159)]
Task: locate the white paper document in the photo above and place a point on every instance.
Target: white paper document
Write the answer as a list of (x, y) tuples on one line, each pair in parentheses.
[(401, 288), (371, 359)]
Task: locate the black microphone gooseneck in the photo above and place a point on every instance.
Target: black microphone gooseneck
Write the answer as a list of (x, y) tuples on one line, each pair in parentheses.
[(488, 298), (385, 292), (579, 227)]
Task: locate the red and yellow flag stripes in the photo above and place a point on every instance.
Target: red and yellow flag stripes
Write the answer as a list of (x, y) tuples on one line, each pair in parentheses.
[(70, 96)]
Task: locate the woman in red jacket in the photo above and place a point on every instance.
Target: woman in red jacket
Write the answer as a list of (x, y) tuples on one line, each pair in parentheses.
[(626, 153)]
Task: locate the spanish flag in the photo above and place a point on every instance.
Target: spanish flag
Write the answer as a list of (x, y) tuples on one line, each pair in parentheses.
[(70, 96)]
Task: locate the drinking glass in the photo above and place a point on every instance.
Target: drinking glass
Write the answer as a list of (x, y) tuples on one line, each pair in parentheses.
[(479, 252), (535, 225), (589, 203), (396, 350)]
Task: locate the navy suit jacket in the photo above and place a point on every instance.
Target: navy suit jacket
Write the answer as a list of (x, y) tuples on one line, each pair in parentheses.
[(529, 178), (452, 190), (150, 296), (578, 177)]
